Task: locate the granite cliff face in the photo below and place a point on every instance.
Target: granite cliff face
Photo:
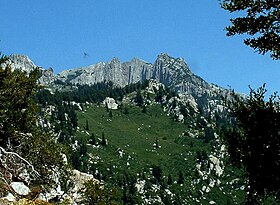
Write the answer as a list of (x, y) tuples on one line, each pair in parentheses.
[(21, 62), (167, 70), (47, 77), (172, 72), (120, 73)]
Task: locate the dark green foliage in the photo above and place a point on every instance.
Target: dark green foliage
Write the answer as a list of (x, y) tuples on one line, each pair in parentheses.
[(75, 159), (83, 149), (166, 200), (260, 19), (144, 109), (73, 117), (209, 134), (139, 100), (103, 140), (87, 127), (66, 126), (17, 108), (178, 200), (79, 156), (169, 180), (107, 108), (94, 193), (181, 178), (157, 173), (125, 110), (84, 93), (92, 139), (130, 194), (110, 114), (201, 155), (19, 130), (255, 144), (159, 95)]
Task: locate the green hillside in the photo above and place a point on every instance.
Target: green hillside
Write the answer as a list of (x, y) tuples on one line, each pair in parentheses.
[(157, 148), (149, 138), (151, 147)]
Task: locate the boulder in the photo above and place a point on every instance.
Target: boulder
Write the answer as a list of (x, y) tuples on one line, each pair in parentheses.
[(10, 198), (111, 103), (20, 188)]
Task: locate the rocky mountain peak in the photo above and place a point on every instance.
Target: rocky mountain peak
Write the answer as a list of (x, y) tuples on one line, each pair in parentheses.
[(170, 71), (137, 60), (167, 60), (115, 60), (164, 56), (21, 62)]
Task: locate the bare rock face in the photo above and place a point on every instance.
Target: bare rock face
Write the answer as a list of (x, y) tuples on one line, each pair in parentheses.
[(47, 77), (21, 62), (120, 74), (172, 72), (110, 103), (79, 178)]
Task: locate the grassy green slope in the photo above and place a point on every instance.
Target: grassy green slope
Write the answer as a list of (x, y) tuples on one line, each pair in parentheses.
[(135, 133)]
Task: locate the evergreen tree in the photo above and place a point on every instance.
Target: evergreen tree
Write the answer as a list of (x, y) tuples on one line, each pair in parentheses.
[(254, 142), (83, 149), (17, 108), (87, 126), (130, 195), (209, 134), (92, 139), (157, 173), (181, 178), (126, 111), (159, 95), (73, 117), (169, 180), (139, 100), (103, 140), (260, 19), (20, 134), (144, 109), (107, 108), (110, 114)]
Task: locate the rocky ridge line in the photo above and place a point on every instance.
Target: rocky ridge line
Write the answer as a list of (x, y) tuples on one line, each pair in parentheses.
[(172, 72)]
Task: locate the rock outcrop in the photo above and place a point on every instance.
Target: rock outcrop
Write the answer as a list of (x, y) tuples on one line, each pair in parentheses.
[(47, 77), (166, 70), (110, 103), (21, 62), (172, 72), (20, 188)]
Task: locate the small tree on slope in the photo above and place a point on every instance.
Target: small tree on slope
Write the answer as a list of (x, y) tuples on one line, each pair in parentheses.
[(23, 145)]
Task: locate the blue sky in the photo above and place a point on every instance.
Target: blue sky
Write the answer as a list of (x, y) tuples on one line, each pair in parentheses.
[(56, 33)]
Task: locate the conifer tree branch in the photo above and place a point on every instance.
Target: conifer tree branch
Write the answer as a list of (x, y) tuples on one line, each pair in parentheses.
[(21, 158)]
